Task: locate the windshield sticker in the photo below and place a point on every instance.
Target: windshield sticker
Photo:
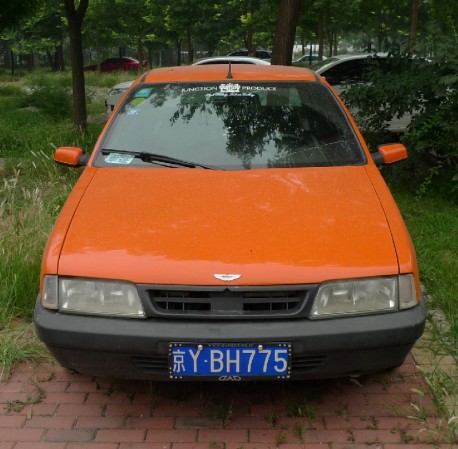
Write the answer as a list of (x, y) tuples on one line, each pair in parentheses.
[(121, 159), (199, 89), (229, 88), (263, 88)]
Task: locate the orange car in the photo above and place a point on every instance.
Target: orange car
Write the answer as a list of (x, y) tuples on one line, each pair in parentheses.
[(230, 224)]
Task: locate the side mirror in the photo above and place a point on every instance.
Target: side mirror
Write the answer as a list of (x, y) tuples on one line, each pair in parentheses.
[(71, 157), (389, 154)]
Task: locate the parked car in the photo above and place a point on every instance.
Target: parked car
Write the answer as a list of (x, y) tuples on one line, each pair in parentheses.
[(116, 64), (344, 71), (230, 225), (262, 54), (116, 93), (308, 60), (232, 60)]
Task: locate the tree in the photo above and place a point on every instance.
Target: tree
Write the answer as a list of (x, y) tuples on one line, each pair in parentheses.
[(287, 18), (75, 15), (11, 12)]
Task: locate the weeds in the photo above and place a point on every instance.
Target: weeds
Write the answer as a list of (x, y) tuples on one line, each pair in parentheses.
[(18, 345), (34, 398)]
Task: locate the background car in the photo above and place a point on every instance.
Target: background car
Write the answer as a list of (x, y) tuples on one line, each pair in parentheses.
[(307, 60), (232, 60), (118, 90), (115, 94), (262, 54), (344, 71), (115, 64)]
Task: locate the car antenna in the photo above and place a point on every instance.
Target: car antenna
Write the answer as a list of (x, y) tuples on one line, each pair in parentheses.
[(229, 72)]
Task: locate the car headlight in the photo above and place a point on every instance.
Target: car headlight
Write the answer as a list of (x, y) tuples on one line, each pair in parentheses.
[(116, 91), (92, 296), (364, 296)]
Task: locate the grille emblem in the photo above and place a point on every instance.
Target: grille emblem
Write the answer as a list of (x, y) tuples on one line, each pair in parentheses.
[(227, 277)]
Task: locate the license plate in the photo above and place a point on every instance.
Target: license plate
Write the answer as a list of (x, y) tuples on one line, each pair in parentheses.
[(229, 361)]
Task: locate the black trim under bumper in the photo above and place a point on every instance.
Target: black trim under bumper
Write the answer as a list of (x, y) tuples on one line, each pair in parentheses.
[(138, 349)]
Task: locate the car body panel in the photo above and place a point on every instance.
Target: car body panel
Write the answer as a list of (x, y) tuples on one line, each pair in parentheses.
[(203, 212)]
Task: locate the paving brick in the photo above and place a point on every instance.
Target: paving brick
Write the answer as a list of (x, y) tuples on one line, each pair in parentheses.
[(11, 387), (264, 446), (79, 410), (46, 445), (197, 422), (223, 435), (149, 422), (120, 436), (69, 435), (270, 436), (50, 422), (145, 446), (19, 434), (99, 422), (83, 387), (109, 399), (215, 445), (247, 422), (39, 410), (324, 436), (91, 446), (9, 396), (176, 410), (11, 421), (377, 436), (174, 435), (127, 410), (417, 446), (64, 398), (6, 445), (339, 422)]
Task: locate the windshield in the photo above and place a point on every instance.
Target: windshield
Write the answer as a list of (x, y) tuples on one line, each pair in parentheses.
[(233, 126)]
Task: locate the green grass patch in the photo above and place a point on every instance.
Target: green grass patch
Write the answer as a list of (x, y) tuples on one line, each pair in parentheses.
[(433, 225)]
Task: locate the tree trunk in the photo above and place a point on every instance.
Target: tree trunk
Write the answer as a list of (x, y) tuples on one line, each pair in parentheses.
[(75, 18), (320, 36), (413, 26), (285, 31), (190, 45)]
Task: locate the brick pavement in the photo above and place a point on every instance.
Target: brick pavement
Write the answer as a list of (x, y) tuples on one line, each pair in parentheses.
[(46, 407)]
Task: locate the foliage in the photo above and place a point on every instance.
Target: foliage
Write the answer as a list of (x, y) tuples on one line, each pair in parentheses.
[(426, 89), (32, 190)]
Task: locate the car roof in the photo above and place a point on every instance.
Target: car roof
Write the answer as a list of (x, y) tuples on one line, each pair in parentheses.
[(234, 59), (220, 72), (337, 59)]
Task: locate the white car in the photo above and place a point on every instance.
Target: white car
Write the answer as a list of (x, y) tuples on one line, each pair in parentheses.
[(232, 60), (115, 94)]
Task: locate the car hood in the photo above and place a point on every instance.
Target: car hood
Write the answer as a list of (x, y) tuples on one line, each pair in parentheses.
[(274, 226)]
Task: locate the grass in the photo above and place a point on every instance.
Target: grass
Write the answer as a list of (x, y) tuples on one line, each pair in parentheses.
[(33, 189), (433, 226)]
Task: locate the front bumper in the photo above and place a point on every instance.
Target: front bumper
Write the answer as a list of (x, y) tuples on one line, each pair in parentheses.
[(138, 349)]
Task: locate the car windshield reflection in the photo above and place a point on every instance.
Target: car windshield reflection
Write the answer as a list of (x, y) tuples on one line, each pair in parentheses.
[(236, 126)]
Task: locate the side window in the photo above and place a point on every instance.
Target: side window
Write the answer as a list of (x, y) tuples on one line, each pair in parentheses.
[(347, 72)]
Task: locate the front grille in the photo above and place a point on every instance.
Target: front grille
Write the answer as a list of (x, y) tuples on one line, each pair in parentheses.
[(237, 303)]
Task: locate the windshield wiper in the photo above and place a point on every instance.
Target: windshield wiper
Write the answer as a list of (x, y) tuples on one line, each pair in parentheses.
[(159, 159)]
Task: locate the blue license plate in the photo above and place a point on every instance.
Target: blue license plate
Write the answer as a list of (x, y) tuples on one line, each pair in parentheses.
[(229, 361)]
